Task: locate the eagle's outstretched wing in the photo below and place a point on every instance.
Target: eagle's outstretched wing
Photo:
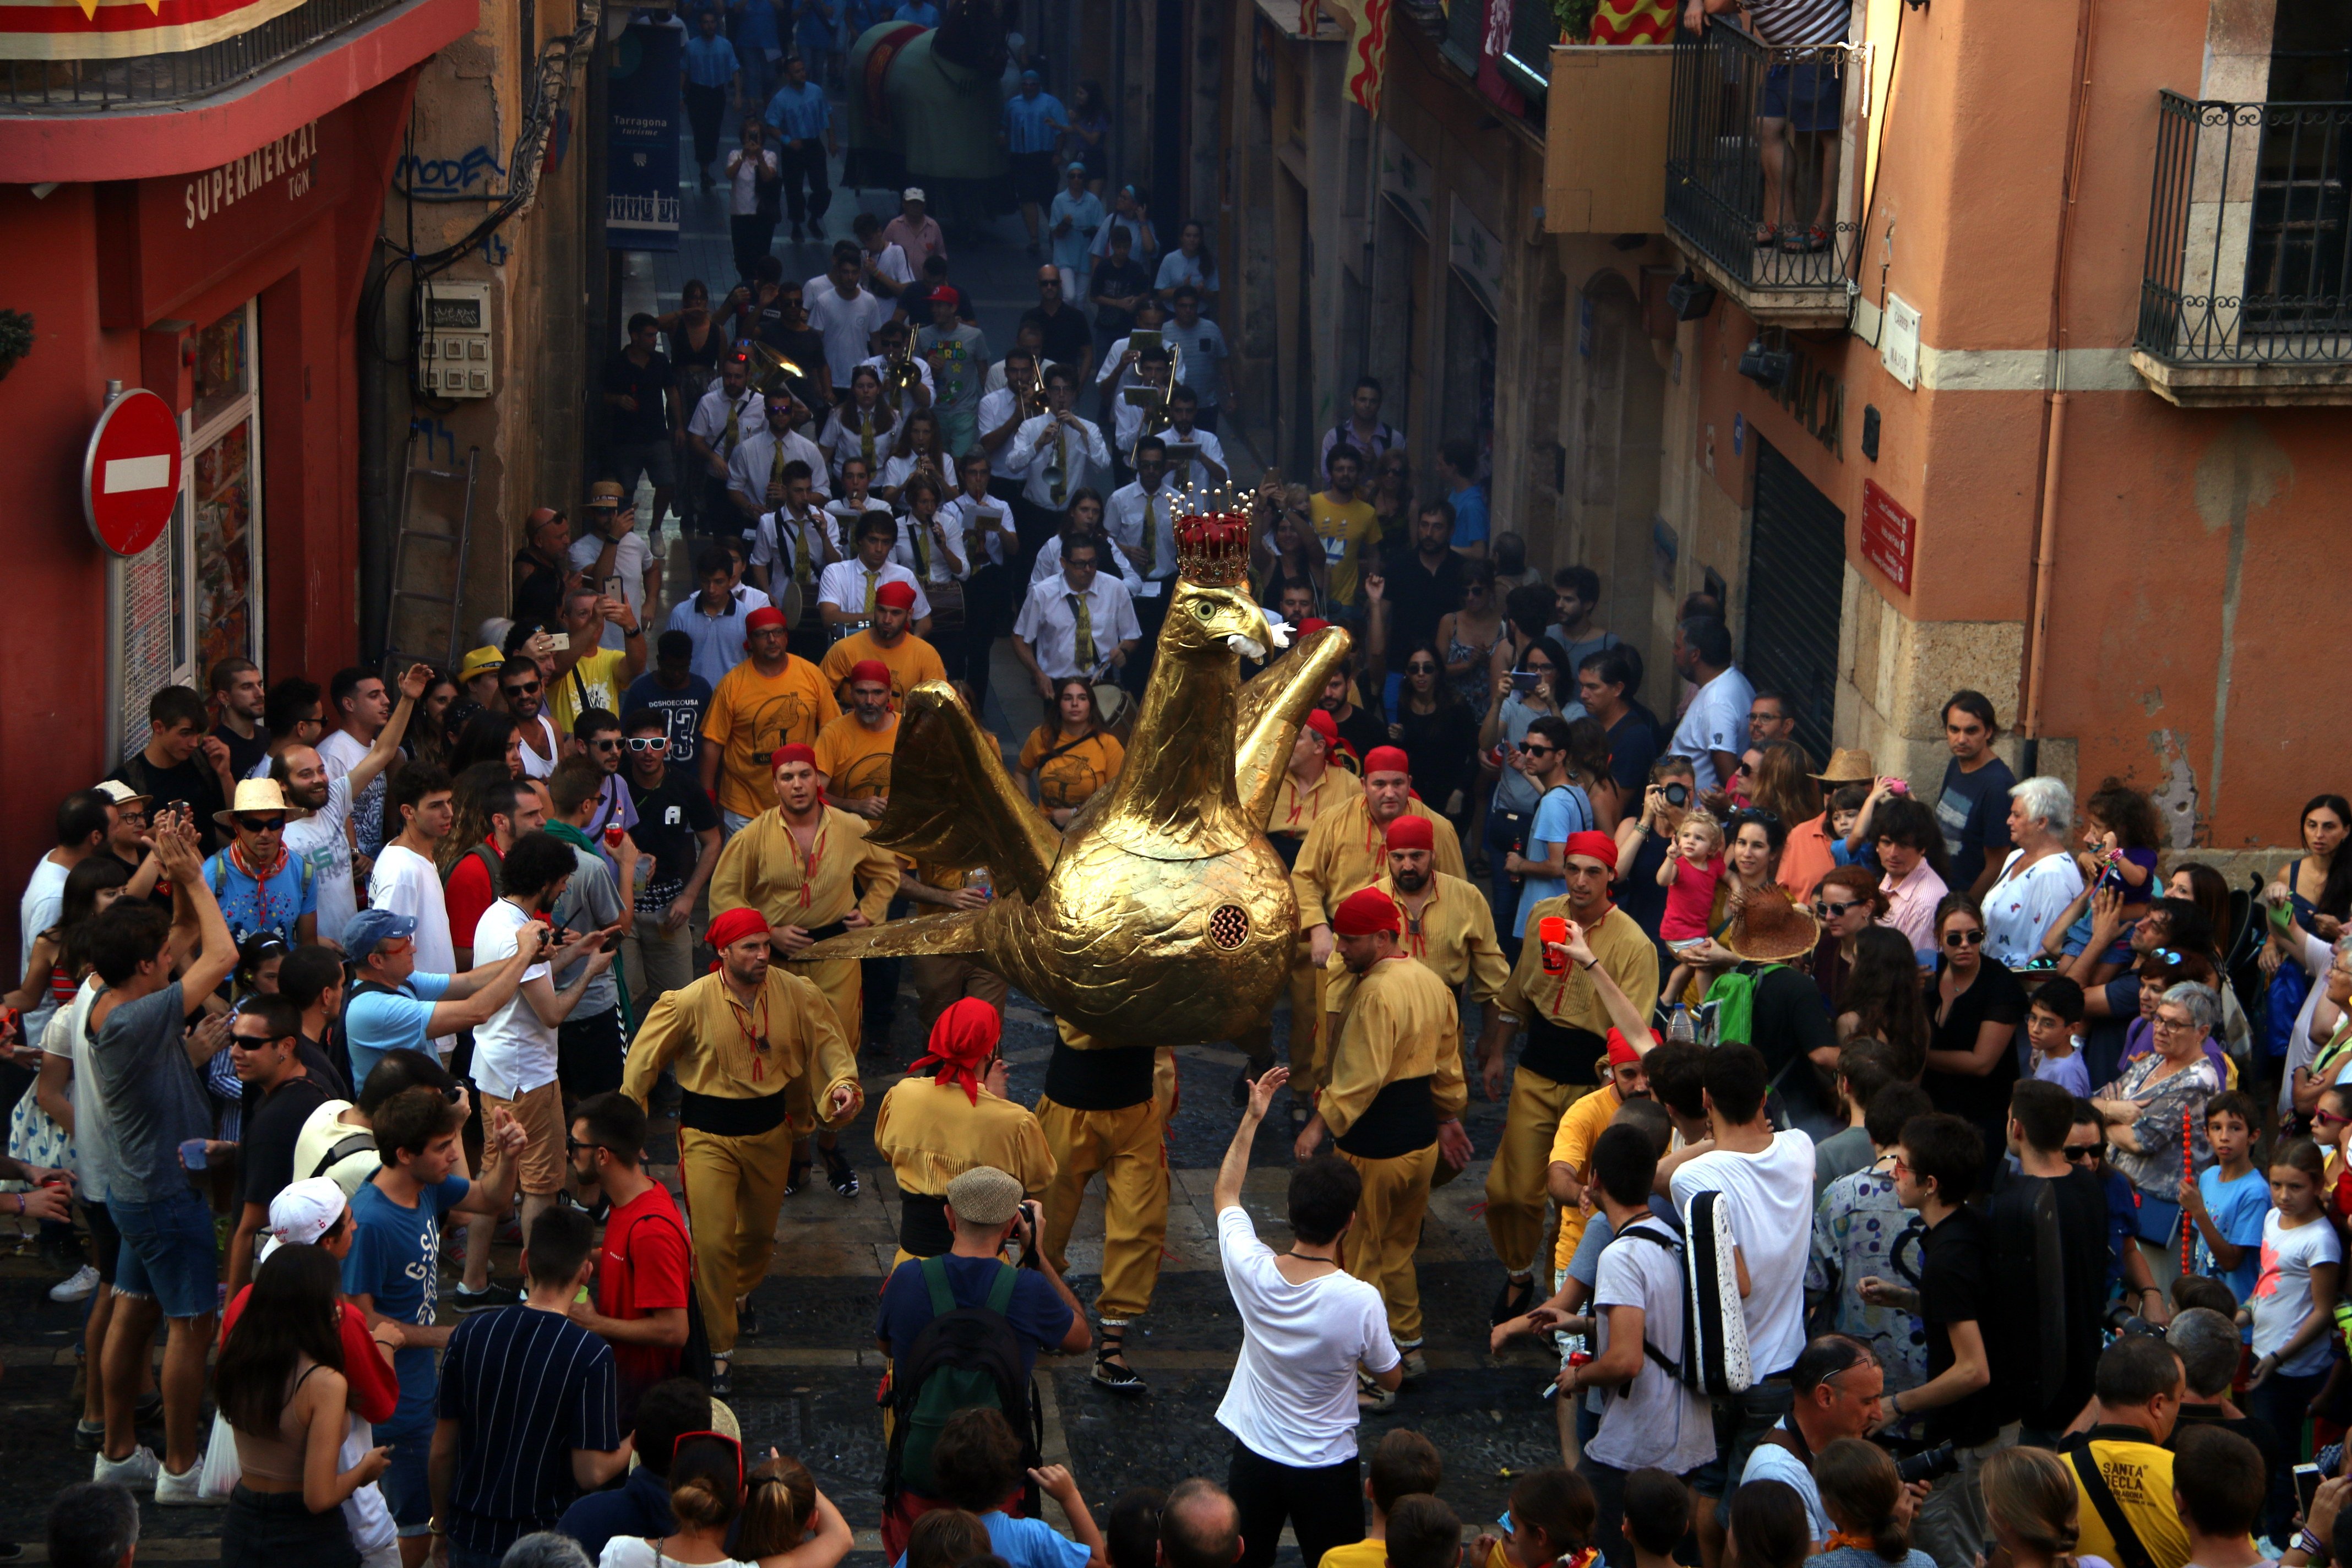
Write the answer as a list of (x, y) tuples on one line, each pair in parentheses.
[(931, 936), (1272, 705), (951, 802)]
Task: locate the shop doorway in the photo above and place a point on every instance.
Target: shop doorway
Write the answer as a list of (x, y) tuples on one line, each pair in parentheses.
[(1795, 597)]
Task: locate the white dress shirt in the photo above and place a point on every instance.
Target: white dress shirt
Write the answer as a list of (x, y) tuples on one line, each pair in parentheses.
[(880, 365), (1050, 627), (997, 407), (988, 519), (1126, 516), (1032, 454), (1193, 473), (1049, 564), (843, 439), (748, 470), (709, 419), (934, 564), (781, 542), (844, 587), (998, 381)]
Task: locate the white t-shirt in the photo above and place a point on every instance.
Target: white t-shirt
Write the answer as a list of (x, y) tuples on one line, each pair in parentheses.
[(630, 558), (1293, 1396), (1771, 1462), (514, 1052), (1772, 1202), (342, 753), (1657, 1419), (2282, 1295), (1717, 721), (43, 901), (68, 1036), (2019, 910), (535, 766), (407, 884), (320, 839), (324, 1130), (846, 324), (636, 1552)]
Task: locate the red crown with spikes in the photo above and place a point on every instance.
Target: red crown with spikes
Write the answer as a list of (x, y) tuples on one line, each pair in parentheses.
[(1212, 548)]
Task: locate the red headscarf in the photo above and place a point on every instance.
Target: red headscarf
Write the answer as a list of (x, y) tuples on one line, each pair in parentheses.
[(1386, 759), (1411, 832), (1322, 723), (1592, 846), (1623, 1052), (965, 1037), (898, 595), (766, 615), (1362, 913), (795, 752), (728, 928), (872, 670)]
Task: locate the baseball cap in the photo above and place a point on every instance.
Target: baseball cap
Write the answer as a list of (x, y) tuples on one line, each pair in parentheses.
[(912, 194), (364, 930), (984, 1196), (302, 1212)]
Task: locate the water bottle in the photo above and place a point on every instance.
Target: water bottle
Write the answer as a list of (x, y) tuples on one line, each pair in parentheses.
[(1679, 1028), (979, 879)]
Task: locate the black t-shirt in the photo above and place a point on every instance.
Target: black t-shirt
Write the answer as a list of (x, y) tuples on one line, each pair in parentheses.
[(1788, 1026), (267, 1151), (244, 756), (193, 781), (2047, 1346), (1995, 998), (804, 346), (1636, 890), (2258, 1433), (1632, 747), (1418, 598), (1443, 749), (649, 421), (1364, 730), (681, 706), (1957, 1285), (668, 818), (1067, 337), (1120, 281)]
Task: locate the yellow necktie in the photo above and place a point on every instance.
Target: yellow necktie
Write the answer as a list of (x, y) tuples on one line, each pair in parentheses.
[(871, 578), (866, 440), (1084, 648), (922, 540), (805, 555), (776, 463), (734, 436)]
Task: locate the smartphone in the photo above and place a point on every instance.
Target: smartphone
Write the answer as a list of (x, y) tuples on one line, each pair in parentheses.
[(1523, 682), (2306, 1485), (558, 642), (612, 589)]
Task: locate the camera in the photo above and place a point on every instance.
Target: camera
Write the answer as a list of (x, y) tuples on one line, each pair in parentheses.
[(1677, 795), (1927, 1464)]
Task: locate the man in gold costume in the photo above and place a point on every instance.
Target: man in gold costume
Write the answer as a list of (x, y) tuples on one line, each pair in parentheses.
[(948, 1115)]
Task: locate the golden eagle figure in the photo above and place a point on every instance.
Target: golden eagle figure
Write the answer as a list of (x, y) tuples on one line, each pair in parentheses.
[(1162, 916)]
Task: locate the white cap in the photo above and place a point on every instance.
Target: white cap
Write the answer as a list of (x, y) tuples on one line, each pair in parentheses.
[(911, 193), (302, 1212)]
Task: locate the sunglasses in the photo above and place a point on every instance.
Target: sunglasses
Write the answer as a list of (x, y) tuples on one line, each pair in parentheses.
[(611, 745), (2078, 1153), (2329, 1119), (254, 1042), (1754, 813), (262, 824), (530, 690), (1830, 912), (1538, 751), (2163, 955), (1963, 938), (648, 742), (1420, 670)]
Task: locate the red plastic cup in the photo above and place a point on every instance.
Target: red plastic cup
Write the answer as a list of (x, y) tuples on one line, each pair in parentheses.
[(1552, 932)]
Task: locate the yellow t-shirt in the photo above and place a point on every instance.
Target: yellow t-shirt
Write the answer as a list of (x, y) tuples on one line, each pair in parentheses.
[(1348, 531), (1070, 780), (855, 760), (2140, 1475), (750, 715), (912, 663), (599, 675), (1358, 1555)]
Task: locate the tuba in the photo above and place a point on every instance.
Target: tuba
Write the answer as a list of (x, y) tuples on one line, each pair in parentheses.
[(773, 375)]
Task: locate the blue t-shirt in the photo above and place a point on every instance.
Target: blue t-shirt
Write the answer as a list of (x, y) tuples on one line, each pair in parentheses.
[(1034, 124), (710, 62), (1038, 1316), (756, 29), (274, 905), (1469, 515), (375, 1021), (800, 113), (1027, 1544), (395, 1261), (526, 1388), (1973, 811), (2237, 1209), (1559, 813)]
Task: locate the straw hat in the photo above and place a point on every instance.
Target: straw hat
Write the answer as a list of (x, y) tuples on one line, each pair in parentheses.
[(256, 797), (1848, 764), (1768, 928)]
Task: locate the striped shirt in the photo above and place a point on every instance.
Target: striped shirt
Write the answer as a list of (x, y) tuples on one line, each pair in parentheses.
[(526, 1388), (1795, 23)]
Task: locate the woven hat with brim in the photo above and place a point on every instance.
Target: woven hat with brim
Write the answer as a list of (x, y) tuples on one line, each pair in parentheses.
[(1768, 929), (984, 1196), (257, 797), (605, 495), (1848, 764), (120, 794)]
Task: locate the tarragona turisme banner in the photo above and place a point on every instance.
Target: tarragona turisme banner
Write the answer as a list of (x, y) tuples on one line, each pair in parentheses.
[(121, 29)]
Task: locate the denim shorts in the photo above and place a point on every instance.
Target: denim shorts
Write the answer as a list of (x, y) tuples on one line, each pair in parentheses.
[(168, 1253), (407, 1489), (1810, 96)]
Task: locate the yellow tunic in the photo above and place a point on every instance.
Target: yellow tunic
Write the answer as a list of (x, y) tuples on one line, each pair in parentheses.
[(714, 1042), (1295, 812), (855, 760), (763, 868), (750, 715), (1571, 1145), (1454, 936), (931, 1134), (1345, 851), (1070, 778), (912, 663), (1621, 947), (1400, 1025)]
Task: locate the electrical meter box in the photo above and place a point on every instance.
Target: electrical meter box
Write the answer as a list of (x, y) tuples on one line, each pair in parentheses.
[(453, 342)]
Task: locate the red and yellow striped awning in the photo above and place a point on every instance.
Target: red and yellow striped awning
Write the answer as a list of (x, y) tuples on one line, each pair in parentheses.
[(120, 30)]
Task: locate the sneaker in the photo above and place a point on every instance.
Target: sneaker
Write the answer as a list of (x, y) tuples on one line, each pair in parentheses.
[(747, 1321), (797, 236), (1415, 1366), (840, 1173), (136, 1472), (487, 1297), (90, 1436), (180, 1490), (77, 1289)]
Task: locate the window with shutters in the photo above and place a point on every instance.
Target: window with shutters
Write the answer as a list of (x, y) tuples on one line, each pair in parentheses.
[(1796, 588)]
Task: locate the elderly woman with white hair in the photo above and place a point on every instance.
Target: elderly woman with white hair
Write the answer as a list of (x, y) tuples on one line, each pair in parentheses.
[(2155, 1103), (2039, 880)]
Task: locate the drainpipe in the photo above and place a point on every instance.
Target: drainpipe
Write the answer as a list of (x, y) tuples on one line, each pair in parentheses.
[(2054, 431)]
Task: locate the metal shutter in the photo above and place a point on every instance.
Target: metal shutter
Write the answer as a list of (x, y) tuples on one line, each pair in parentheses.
[(1796, 586)]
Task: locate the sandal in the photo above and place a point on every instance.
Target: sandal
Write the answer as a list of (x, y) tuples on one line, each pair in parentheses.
[(721, 1384), (1115, 1375), (1805, 241), (840, 1173), (1768, 235), (1370, 1396)]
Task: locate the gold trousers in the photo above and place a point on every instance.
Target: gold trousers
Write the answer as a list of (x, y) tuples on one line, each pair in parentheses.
[(1516, 1191), (1310, 1068), (1129, 1147), (1379, 1248), (734, 1190), (943, 979)]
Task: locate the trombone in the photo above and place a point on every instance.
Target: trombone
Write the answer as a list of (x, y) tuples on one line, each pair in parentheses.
[(1153, 400), (898, 373), (773, 375)]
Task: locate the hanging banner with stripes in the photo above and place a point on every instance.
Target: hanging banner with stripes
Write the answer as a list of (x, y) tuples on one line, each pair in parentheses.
[(122, 29), (1368, 48)]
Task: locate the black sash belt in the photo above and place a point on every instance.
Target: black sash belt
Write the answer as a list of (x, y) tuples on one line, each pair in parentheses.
[(923, 1229), (732, 1118), (1400, 1120)]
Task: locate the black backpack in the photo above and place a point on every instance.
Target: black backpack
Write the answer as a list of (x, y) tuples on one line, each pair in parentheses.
[(964, 1358)]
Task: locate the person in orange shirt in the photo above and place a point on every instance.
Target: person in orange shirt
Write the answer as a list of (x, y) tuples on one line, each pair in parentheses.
[(908, 659), (852, 758), (768, 700), (1071, 757)]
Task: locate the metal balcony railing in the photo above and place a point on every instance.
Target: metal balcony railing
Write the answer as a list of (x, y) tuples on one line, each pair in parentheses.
[(2247, 259), (82, 87), (1752, 178)]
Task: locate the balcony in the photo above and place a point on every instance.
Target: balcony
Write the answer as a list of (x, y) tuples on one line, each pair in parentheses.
[(87, 85), (1755, 140), (2246, 297)]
